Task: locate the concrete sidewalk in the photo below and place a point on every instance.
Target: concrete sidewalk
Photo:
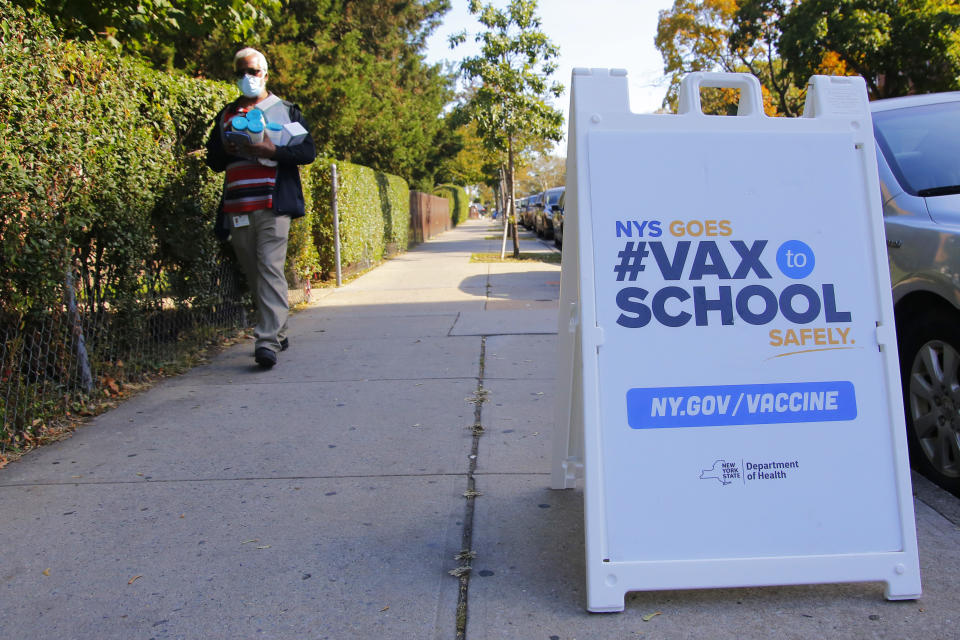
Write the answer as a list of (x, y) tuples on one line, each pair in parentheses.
[(325, 498)]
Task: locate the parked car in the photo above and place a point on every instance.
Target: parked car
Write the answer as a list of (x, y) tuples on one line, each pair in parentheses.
[(543, 216), (519, 205), (558, 219), (918, 140), (530, 210)]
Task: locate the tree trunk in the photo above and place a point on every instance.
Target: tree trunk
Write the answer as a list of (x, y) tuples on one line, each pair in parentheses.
[(513, 217)]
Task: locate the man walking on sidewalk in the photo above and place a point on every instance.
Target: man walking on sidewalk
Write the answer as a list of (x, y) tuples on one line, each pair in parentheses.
[(262, 192)]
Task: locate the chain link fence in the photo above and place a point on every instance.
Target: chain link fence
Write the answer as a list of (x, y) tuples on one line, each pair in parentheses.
[(58, 362)]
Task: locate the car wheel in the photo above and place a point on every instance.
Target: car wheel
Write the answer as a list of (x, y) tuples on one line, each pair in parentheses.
[(930, 372)]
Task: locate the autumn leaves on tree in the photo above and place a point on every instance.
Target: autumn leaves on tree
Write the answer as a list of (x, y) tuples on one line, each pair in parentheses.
[(898, 46)]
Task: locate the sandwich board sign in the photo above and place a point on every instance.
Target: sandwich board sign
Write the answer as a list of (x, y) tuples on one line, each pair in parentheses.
[(729, 384)]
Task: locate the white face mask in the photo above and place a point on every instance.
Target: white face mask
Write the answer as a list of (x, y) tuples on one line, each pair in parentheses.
[(251, 86)]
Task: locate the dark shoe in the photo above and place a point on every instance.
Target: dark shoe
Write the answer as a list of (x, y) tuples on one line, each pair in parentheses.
[(265, 357), (284, 344)]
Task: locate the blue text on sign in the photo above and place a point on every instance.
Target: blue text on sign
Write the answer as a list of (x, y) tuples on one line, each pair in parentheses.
[(725, 405)]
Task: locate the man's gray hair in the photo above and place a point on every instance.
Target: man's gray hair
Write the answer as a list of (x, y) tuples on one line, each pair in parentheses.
[(246, 53)]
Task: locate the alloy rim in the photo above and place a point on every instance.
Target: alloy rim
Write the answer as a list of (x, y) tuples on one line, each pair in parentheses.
[(935, 405)]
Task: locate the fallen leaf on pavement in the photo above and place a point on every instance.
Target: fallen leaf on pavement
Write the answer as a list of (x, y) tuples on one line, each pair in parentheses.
[(46, 572), (651, 616), (384, 609), (134, 579), (249, 541)]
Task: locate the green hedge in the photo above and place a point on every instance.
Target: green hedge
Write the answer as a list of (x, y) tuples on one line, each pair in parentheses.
[(374, 211), (303, 259), (93, 150), (103, 177), (459, 202), (96, 153), (100, 180)]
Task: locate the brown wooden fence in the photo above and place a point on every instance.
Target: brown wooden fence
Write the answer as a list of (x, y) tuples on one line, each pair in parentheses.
[(429, 215)]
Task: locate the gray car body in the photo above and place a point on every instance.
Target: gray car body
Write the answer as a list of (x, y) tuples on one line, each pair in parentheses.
[(923, 233), (921, 211)]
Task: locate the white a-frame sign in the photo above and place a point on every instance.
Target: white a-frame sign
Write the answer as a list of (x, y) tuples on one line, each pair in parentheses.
[(729, 385)]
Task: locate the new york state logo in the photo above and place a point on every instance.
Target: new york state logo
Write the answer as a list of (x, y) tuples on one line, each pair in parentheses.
[(722, 471)]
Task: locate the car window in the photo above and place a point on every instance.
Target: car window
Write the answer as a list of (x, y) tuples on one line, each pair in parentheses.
[(921, 145)]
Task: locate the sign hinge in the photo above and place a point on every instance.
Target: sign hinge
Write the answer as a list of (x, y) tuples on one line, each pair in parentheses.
[(598, 336), (885, 335)]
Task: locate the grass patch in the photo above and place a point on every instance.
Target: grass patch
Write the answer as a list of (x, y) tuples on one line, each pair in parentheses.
[(550, 257)]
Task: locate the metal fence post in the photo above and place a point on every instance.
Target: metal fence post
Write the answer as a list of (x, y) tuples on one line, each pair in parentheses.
[(336, 222), (77, 329)]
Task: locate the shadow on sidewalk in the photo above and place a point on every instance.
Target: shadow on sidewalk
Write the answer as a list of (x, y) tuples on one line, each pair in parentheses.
[(540, 286)]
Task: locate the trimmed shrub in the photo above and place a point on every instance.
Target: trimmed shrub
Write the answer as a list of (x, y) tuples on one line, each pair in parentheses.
[(459, 202), (102, 189), (97, 154), (395, 206), (374, 210), (93, 149), (303, 260)]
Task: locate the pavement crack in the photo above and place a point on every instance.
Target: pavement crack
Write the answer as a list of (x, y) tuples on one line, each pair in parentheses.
[(467, 554), (160, 481)]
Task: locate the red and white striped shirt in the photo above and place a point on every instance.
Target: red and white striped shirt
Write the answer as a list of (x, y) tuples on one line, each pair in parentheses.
[(249, 184)]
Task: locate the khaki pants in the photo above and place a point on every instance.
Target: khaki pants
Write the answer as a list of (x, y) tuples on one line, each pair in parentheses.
[(261, 249)]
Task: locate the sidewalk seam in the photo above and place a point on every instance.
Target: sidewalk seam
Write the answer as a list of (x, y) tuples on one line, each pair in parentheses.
[(466, 544), (76, 483)]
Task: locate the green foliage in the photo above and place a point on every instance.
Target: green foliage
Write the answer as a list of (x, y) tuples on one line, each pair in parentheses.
[(511, 107), (357, 70), (514, 68), (395, 204), (898, 46), (356, 67), (459, 202), (373, 208), (303, 259), (93, 153), (469, 160), (100, 182), (163, 31)]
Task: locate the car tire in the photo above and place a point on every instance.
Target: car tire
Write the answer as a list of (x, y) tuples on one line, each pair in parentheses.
[(930, 374)]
